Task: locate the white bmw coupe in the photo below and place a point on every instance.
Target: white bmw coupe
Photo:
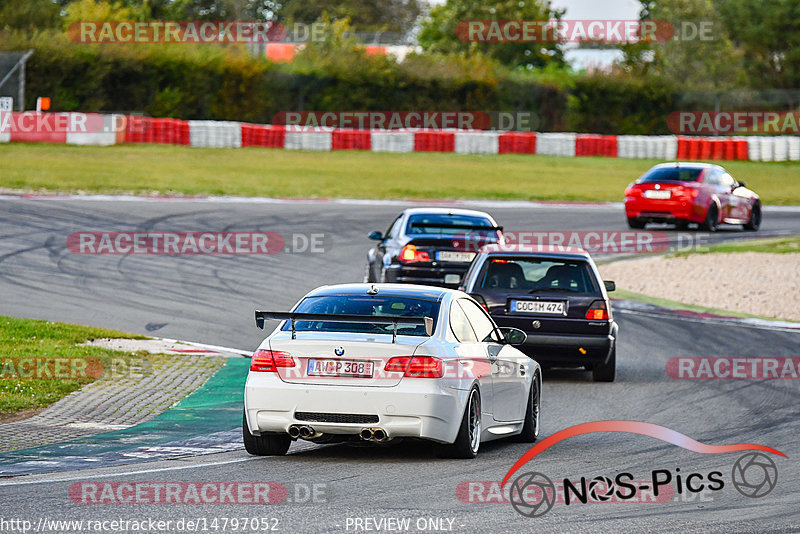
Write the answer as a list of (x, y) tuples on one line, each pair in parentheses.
[(377, 362)]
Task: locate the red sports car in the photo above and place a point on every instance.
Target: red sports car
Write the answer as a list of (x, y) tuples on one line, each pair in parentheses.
[(684, 193)]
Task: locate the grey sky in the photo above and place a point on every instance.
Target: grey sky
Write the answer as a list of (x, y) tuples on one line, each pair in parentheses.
[(600, 9)]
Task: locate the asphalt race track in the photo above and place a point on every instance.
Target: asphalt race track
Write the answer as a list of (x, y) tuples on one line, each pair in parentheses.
[(210, 299)]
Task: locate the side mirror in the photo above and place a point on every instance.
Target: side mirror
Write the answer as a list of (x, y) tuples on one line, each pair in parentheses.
[(610, 285), (376, 236), (513, 336)]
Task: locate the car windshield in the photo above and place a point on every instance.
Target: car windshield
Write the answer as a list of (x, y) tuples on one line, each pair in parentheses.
[(365, 305), (449, 225), (533, 275), (671, 174)]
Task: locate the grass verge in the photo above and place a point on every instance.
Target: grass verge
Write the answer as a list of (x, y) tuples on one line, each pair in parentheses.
[(778, 245), (32, 347), (145, 169)]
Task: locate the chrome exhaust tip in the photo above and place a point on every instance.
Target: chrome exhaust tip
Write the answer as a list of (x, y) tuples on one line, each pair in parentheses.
[(366, 434), (294, 431), (379, 434), (306, 431)]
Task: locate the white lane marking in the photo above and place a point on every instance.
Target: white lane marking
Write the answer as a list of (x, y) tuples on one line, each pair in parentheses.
[(296, 447), (351, 201), (240, 352), (127, 473), (346, 201)]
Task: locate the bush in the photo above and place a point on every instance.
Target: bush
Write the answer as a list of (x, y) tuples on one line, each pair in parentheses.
[(227, 83), (620, 104)]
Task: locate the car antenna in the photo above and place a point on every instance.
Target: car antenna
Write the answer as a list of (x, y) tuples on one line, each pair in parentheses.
[(372, 291)]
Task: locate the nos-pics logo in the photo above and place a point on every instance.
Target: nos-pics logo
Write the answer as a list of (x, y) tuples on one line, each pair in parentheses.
[(533, 494)]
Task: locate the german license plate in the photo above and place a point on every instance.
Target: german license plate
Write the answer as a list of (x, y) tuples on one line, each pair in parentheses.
[(461, 257), (348, 368), (656, 194), (537, 306)]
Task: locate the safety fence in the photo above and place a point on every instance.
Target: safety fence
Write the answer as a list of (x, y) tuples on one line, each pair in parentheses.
[(99, 129)]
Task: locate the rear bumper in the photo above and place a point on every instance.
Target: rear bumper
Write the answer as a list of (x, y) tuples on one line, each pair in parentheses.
[(663, 211), (419, 408), (550, 347), (568, 349), (425, 275)]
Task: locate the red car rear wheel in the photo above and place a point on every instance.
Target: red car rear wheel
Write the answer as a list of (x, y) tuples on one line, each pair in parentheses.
[(755, 218), (711, 223)]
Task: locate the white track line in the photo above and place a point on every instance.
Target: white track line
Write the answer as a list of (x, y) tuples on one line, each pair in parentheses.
[(346, 201), (127, 473), (210, 348)]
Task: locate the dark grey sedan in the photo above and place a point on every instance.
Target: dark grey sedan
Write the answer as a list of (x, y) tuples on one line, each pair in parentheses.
[(556, 296)]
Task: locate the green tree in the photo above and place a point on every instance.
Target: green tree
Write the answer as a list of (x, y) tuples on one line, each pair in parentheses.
[(768, 32), (204, 9), (440, 30), (397, 16), (29, 14), (95, 10), (701, 54)]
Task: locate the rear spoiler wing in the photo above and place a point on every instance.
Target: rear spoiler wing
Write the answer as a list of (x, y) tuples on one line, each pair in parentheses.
[(457, 226), (342, 318)]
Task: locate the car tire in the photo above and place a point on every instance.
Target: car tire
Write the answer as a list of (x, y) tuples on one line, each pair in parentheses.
[(755, 218), (265, 444), (606, 372), (710, 224), (468, 439), (530, 429), (636, 224)]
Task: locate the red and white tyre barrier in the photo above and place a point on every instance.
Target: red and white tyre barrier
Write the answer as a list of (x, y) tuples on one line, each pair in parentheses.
[(106, 130), (477, 142), (392, 141), (215, 134), (308, 139), (556, 144)]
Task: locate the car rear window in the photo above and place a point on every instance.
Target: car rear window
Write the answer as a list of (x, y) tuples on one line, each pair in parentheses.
[(365, 305), (444, 224), (672, 174), (528, 274)]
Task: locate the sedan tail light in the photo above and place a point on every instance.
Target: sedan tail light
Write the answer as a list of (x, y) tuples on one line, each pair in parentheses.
[(683, 191), (416, 366), (410, 253), (597, 311), (268, 361), (632, 191)]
